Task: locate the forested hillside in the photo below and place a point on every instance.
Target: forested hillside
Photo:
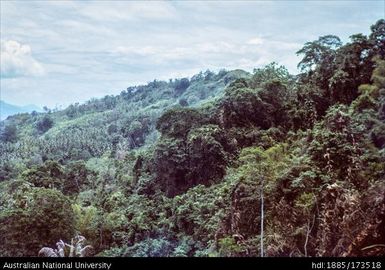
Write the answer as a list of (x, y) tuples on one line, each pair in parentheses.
[(220, 164)]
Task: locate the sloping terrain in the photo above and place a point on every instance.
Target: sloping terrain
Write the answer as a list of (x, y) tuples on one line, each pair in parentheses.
[(196, 167)]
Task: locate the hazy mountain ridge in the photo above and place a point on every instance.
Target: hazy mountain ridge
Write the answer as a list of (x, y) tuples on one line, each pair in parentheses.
[(7, 109)]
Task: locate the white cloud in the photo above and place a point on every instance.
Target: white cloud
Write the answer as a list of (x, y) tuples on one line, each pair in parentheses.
[(215, 54), (142, 51), (256, 41), (127, 11), (17, 60)]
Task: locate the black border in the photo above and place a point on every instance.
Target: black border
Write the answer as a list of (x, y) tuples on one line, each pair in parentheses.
[(329, 263)]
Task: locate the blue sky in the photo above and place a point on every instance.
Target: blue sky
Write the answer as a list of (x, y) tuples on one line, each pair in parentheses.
[(58, 52)]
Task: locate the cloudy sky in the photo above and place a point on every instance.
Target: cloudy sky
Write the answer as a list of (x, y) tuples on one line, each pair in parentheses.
[(58, 52)]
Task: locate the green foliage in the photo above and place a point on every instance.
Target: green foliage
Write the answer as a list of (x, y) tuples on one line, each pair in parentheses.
[(178, 122), (77, 176), (338, 70), (261, 101), (87, 222), (44, 124), (201, 159), (228, 247), (271, 72), (339, 144), (171, 160), (199, 211), (48, 175), (69, 179), (150, 248), (44, 213), (9, 133), (207, 156), (319, 51), (179, 168), (244, 107), (181, 85)]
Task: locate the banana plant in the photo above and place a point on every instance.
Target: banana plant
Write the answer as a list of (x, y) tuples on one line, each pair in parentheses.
[(75, 249)]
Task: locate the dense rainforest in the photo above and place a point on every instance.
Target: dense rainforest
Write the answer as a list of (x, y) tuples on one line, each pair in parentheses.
[(226, 163)]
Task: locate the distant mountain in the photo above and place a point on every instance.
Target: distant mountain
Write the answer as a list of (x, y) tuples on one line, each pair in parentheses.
[(7, 109)]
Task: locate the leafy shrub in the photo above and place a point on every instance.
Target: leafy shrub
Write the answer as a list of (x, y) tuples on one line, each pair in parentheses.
[(44, 213), (44, 124)]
